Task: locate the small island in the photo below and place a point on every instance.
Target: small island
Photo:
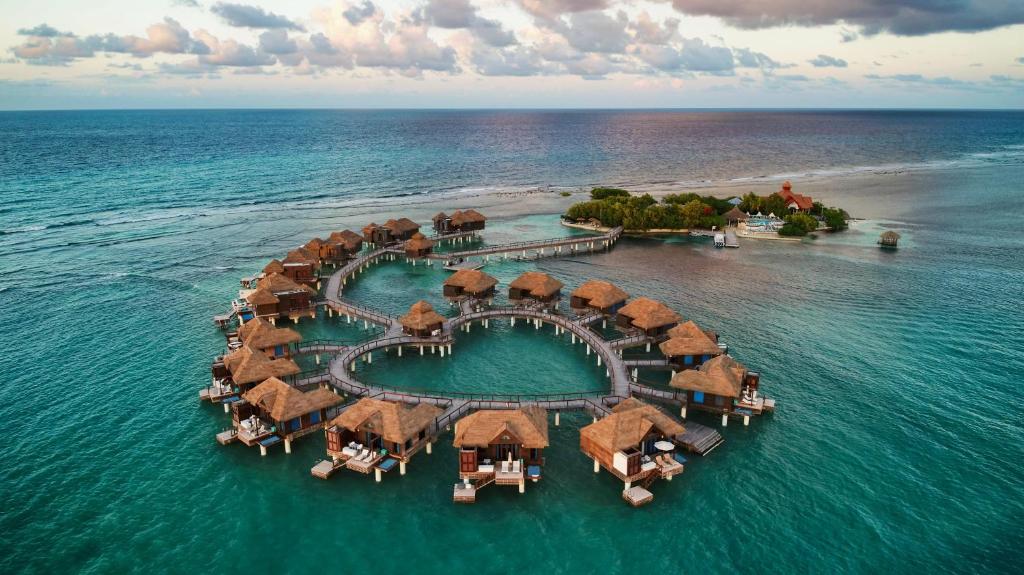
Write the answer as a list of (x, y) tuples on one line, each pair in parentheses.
[(782, 214)]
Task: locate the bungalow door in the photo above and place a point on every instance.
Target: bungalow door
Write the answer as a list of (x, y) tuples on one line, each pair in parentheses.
[(503, 450), (467, 460)]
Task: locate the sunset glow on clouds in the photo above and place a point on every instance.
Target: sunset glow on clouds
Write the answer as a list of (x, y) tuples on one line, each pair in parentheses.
[(481, 53)]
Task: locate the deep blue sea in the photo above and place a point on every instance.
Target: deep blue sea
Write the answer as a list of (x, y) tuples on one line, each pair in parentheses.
[(898, 444)]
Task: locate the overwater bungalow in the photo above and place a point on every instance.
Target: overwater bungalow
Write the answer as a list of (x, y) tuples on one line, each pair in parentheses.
[(535, 287), (238, 370), (651, 317), (889, 239), (502, 446), (442, 223), (261, 335), (422, 320), (688, 346), (635, 444), (376, 435), (467, 221), (418, 246), (274, 411), (316, 247), (345, 245), (274, 267), (723, 385), (390, 231), (599, 296), (472, 284), (278, 296)]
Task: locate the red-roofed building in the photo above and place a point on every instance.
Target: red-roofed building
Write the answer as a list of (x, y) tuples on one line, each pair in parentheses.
[(795, 202)]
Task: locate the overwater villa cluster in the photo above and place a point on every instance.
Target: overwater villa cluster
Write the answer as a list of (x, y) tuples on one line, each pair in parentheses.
[(500, 439)]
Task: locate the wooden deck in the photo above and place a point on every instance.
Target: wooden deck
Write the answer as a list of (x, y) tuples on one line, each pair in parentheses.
[(699, 439), (637, 496), (326, 468)]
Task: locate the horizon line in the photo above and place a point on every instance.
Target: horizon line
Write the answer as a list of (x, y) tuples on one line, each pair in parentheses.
[(519, 109)]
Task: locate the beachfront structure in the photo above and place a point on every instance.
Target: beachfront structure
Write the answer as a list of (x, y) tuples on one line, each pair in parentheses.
[(422, 320), (722, 385), (300, 265), (467, 221), (418, 246), (460, 221), (889, 239), (795, 202), (469, 284), (278, 296), (688, 346), (376, 435), (390, 231), (535, 287), (600, 296), (735, 216), (651, 317), (274, 411), (261, 335), (343, 245), (635, 444), (244, 367), (502, 446)]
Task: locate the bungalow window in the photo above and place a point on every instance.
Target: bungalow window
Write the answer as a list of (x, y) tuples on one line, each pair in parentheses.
[(688, 359), (533, 454), (423, 433), (408, 444), (705, 358), (314, 417), (278, 350), (294, 424), (698, 397), (719, 400)]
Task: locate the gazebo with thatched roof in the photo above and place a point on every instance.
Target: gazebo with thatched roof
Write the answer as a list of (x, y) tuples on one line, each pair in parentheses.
[(364, 430), (889, 239), (735, 216), (651, 317), (289, 412), (504, 444), (599, 296), (468, 283), (536, 286), (422, 320), (716, 385), (634, 442), (262, 335), (688, 346), (418, 246)]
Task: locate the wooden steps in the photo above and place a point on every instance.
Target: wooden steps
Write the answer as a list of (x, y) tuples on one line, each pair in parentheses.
[(700, 439)]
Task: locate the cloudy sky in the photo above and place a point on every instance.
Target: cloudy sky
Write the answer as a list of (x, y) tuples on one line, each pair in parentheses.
[(512, 53)]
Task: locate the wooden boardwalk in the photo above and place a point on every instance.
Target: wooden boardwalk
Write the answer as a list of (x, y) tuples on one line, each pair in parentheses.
[(556, 245)]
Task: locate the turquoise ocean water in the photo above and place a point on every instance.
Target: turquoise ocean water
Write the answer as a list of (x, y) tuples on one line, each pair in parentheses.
[(898, 444)]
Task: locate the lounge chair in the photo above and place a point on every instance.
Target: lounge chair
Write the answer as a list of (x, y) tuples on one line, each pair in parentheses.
[(515, 467), (504, 467)]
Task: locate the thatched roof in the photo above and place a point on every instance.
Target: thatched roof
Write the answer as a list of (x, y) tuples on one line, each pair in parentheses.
[(302, 256), (395, 422), (628, 424), (688, 339), (528, 425), (314, 245), (261, 334), (419, 242), (601, 294), (401, 225), (274, 267), (248, 365), (890, 235), (347, 237), (368, 228), (537, 283), (261, 296), (439, 217), (467, 216), (283, 402), (278, 283), (471, 281), (735, 214), (646, 313), (421, 315), (722, 375)]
